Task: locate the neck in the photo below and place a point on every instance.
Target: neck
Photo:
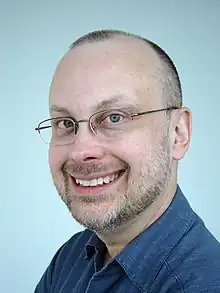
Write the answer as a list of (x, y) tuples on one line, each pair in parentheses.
[(116, 241)]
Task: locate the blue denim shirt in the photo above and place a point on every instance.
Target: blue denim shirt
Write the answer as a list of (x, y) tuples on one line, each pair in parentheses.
[(176, 254)]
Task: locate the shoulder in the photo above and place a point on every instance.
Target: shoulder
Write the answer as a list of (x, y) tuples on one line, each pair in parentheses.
[(73, 248), (65, 257), (195, 261)]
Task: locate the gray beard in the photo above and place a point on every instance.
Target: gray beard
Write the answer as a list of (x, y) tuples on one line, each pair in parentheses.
[(137, 198)]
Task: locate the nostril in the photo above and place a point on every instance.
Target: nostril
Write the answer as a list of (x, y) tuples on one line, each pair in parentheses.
[(89, 159)]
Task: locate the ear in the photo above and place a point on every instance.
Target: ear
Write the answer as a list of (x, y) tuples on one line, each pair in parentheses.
[(182, 133)]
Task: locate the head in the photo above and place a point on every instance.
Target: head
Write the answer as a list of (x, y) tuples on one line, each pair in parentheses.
[(108, 175)]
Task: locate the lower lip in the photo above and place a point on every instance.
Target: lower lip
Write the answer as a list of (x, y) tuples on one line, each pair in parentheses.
[(94, 190)]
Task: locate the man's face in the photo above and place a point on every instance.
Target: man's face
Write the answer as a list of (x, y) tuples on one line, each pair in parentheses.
[(136, 161)]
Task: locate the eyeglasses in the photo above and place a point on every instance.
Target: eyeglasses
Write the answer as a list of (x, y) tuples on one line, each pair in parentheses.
[(106, 123)]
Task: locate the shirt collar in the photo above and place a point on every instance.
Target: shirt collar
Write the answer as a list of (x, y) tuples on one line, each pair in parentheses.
[(144, 256), (94, 245)]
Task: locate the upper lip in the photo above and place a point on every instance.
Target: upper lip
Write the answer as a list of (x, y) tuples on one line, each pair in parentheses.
[(93, 176)]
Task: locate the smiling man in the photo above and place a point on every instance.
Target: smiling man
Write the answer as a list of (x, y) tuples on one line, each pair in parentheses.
[(116, 133)]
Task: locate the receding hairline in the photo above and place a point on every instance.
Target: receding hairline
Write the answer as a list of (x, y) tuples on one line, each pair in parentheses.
[(169, 76)]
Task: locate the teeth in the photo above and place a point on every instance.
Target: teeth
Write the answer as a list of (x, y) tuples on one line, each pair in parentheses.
[(113, 177), (97, 181), (106, 179), (93, 182)]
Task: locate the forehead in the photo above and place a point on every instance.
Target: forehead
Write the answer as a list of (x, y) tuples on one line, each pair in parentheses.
[(122, 70)]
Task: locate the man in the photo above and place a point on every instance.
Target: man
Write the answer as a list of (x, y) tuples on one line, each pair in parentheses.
[(117, 131)]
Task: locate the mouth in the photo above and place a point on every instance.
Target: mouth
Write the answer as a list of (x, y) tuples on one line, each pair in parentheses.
[(95, 184)]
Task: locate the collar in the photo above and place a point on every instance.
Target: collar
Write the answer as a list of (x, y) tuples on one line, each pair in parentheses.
[(144, 256), (94, 245)]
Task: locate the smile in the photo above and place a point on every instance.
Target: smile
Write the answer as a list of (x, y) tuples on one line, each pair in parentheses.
[(99, 181)]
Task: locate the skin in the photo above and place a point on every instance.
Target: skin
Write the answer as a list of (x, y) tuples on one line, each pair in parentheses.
[(149, 152)]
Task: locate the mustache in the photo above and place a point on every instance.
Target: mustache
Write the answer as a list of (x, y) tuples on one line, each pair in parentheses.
[(88, 168)]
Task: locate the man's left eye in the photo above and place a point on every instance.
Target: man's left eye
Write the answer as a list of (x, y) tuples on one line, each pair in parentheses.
[(114, 118)]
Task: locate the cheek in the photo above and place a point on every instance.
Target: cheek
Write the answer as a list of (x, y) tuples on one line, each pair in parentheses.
[(133, 150), (56, 157)]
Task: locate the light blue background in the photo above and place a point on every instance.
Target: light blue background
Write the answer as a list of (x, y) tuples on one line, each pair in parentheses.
[(34, 36)]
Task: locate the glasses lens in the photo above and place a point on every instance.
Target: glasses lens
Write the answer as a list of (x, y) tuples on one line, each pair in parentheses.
[(45, 131), (57, 131), (110, 123)]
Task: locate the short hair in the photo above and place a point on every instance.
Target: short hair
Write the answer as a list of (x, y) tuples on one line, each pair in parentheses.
[(169, 76)]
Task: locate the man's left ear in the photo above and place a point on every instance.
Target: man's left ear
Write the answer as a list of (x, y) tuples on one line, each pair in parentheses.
[(182, 133)]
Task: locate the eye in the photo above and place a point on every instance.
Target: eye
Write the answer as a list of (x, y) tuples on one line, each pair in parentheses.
[(64, 123), (112, 118), (63, 126)]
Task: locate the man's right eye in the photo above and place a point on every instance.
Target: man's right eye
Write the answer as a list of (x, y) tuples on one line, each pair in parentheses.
[(64, 124)]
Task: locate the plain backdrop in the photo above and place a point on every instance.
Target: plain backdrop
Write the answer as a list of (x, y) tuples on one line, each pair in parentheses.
[(34, 35)]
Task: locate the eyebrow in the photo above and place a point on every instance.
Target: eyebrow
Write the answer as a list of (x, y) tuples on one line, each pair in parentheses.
[(103, 105), (55, 108), (114, 100)]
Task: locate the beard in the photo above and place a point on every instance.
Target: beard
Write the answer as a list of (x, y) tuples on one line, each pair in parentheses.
[(108, 212)]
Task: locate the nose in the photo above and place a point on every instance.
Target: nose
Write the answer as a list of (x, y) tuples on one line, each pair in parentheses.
[(86, 147)]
